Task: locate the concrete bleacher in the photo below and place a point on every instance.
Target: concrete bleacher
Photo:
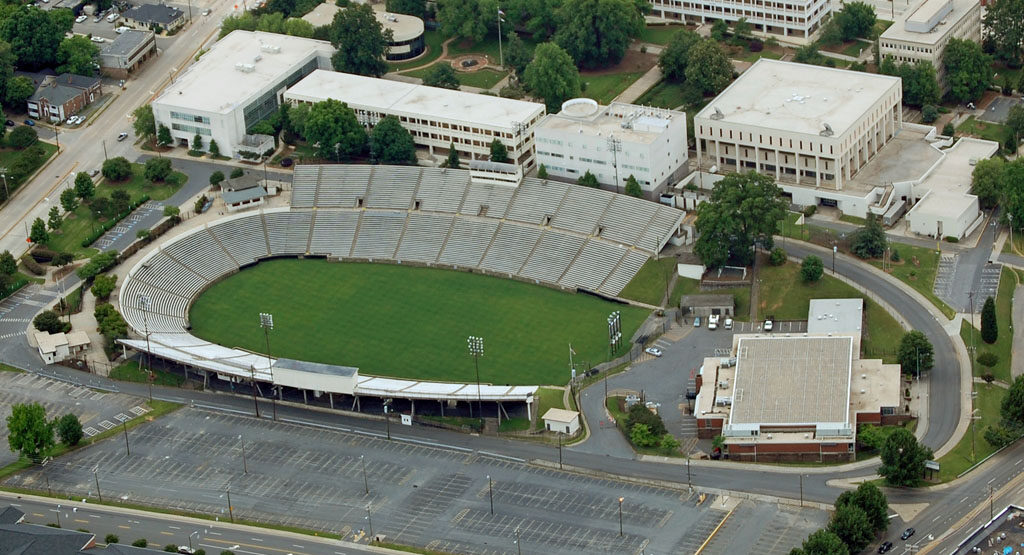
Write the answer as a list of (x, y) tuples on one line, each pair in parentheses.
[(467, 241), (334, 232), (424, 237), (511, 247), (537, 200)]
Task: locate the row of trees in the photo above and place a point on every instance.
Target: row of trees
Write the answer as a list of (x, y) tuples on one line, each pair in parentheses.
[(700, 64), (31, 435), (859, 517)]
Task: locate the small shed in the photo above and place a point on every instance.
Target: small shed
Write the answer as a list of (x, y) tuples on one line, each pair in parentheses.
[(57, 347), (561, 420), (706, 305), (244, 198)]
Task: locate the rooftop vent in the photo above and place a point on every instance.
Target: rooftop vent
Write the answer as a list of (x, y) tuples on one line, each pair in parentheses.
[(827, 132), (270, 48), (717, 115), (245, 68)]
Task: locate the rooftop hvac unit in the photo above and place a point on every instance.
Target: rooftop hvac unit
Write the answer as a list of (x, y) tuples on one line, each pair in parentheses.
[(769, 436), (723, 384), (863, 391), (245, 68), (723, 401), (270, 48)]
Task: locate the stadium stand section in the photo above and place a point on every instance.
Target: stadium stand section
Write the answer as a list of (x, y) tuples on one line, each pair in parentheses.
[(555, 234)]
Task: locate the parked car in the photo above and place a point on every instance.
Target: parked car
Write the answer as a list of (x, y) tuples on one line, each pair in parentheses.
[(113, 17), (94, 172), (98, 18), (186, 550), (30, 123), (728, 323), (696, 322), (768, 325), (713, 322), (907, 533), (98, 39), (81, 18), (122, 136), (9, 123), (206, 11), (653, 351), (885, 547), (121, 29)]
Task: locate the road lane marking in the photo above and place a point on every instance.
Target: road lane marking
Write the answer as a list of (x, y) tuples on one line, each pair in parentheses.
[(80, 520), (990, 481), (962, 500), (936, 518), (1018, 462), (256, 539), (236, 550), (123, 526), (299, 546), (167, 533), (174, 527), (38, 514)]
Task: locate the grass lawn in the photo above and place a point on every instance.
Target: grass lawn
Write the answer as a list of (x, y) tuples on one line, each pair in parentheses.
[(1003, 347), (851, 48), (8, 156), (392, 320), (920, 275), (663, 95), (740, 295), (433, 40), (76, 229), (483, 79), (550, 398), (648, 285), (604, 88), (659, 34), (853, 220), (880, 26), (748, 56), (985, 130), (129, 371), (959, 459), (459, 47)]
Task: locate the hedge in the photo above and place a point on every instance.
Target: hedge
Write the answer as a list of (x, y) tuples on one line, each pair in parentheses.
[(13, 287), (109, 224), (32, 266)]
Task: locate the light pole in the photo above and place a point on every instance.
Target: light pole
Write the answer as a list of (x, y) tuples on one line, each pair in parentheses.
[(476, 350), (490, 492), (231, 510), (519, 545), (621, 499), (58, 516), (124, 426), (689, 484), (245, 465), (7, 193), (267, 323), (196, 533), (252, 382), (387, 418), (501, 54), (97, 479), (614, 334), (834, 250), (369, 522), (801, 490), (615, 145), (990, 502), (560, 448), (366, 485), (144, 304)]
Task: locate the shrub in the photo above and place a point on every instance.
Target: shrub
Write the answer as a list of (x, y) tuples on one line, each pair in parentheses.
[(216, 178), (97, 265), (111, 538), (236, 173), (141, 542), (22, 137), (32, 266), (117, 169), (103, 286), (777, 257), (989, 377), (755, 45), (639, 414), (929, 113), (157, 169), (811, 269), (894, 255), (69, 430), (171, 548), (200, 204), (48, 321), (810, 209), (948, 129), (988, 359), (951, 239)]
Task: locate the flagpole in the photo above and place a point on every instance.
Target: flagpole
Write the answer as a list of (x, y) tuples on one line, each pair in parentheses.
[(501, 55), (571, 366)]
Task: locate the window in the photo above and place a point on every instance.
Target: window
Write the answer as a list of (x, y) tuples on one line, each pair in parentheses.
[(190, 129), (190, 117)]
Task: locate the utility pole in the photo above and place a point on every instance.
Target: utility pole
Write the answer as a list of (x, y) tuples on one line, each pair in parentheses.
[(7, 193), (801, 490), (252, 382), (98, 492), (124, 426), (615, 145), (490, 492), (231, 513)]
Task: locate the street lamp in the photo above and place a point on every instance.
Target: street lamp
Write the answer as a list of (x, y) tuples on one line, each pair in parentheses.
[(267, 323), (245, 465), (490, 492), (476, 350), (615, 145), (58, 516), (196, 533), (144, 304), (387, 418), (621, 499), (369, 523), (834, 250), (366, 485)]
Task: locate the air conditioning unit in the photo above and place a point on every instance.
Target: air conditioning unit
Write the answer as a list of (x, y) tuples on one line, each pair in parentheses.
[(723, 384)]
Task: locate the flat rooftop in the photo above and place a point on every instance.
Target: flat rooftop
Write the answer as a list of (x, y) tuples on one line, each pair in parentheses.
[(947, 189), (213, 84), (126, 42), (799, 98), (835, 316), (644, 124), (1005, 530), (397, 97), (921, 15), (403, 27), (792, 380)]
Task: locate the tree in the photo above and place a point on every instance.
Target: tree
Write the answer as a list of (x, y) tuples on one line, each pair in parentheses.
[(641, 436), (1004, 29), (633, 187), (197, 143), (19, 89), (675, 56), (968, 69), (744, 209), (39, 235), (542, 172), (333, 127), (23, 137), (869, 499), (1012, 407), (516, 55), (588, 180), (68, 200), (989, 325), (903, 458), (78, 55), (499, 152), (987, 180), (441, 75), (103, 286), (777, 256), (468, 19), (8, 265), (84, 188), (596, 33), (48, 321), (742, 28), (824, 542), (811, 269), (416, 8), (708, 68), (1015, 121), (69, 430), (157, 169), (453, 158), (851, 524), (390, 143), (120, 202), (214, 148), (236, 173), (856, 20), (718, 30), (915, 352), (34, 38), (869, 241), (216, 178), (920, 83), (361, 41), (53, 219), (552, 75), (297, 27), (30, 434), (145, 122), (163, 136), (116, 169), (7, 61)]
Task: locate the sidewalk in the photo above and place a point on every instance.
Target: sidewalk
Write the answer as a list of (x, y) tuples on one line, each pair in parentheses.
[(640, 86)]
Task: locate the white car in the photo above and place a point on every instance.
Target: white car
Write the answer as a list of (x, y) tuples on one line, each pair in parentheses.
[(121, 29), (122, 136), (98, 39), (713, 322), (768, 325), (206, 11), (728, 323), (81, 18), (653, 351)]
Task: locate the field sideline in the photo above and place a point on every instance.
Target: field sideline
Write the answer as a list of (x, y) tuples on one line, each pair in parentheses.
[(409, 322)]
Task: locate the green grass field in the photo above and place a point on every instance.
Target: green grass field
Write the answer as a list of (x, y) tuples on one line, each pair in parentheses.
[(1003, 347), (959, 459), (392, 320)]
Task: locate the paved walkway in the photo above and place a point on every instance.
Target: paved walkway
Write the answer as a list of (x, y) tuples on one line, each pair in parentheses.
[(640, 86)]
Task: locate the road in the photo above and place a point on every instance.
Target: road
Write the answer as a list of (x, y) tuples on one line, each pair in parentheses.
[(159, 530), (83, 149)]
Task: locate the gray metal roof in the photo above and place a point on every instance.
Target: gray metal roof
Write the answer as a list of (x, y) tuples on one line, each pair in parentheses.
[(315, 367), (126, 42), (154, 13), (10, 515), (252, 193), (33, 539), (835, 316)]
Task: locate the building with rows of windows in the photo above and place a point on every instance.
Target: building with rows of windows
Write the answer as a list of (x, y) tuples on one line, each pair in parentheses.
[(921, 34), (235, 85), (614, 142), (436, 118), (788, 20)]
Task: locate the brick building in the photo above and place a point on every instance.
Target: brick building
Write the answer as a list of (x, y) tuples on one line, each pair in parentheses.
[(57, 98)]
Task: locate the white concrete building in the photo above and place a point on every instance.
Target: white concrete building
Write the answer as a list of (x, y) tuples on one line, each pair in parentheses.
[(944, 204), (58, 347), (613, 142), (235, 85), (561, 421), (921, 33), (435, 117), (407, 31), (787, 20)]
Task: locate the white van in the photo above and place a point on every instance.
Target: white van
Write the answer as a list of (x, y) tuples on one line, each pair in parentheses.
[(113, 17), (713, 322)]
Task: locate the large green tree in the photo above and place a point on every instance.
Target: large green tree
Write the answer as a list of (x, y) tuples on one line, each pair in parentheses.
[(1012, 407), (417, 8), (987, 181), (968, 69), (470, 19), (676, 55), (1015, 121), (869, 241), (633, 188), (596, 33), (708, 68), (552, 76), (69, 429), (516, 55), (390, 143), (157, 169), (145, 122), (855, 20), (7, 61), (23, 137), (34, 37), (78, 55), (116, 169), (499, 152), (332, 126), (915, 352), (920, 84), (811, 269), (441, 75), (744, 209), (84, 187), (869, 499), (1004, 28), (38, 233), (8, 265), (989, 325), (824, 542), (361, 41), (903, 458), (17, 91), (851, 524), (29, 433)]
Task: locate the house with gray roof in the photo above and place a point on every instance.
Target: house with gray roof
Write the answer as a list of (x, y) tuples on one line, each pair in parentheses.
[(57, 98), (152, 16)]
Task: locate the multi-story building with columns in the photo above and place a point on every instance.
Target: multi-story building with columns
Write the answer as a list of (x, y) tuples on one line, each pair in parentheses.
[(921, 34), (813, 128), (788, 20)]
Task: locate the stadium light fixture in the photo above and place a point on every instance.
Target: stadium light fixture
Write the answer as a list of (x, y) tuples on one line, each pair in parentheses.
[(476, 350), (267, 323), (144, 303)]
